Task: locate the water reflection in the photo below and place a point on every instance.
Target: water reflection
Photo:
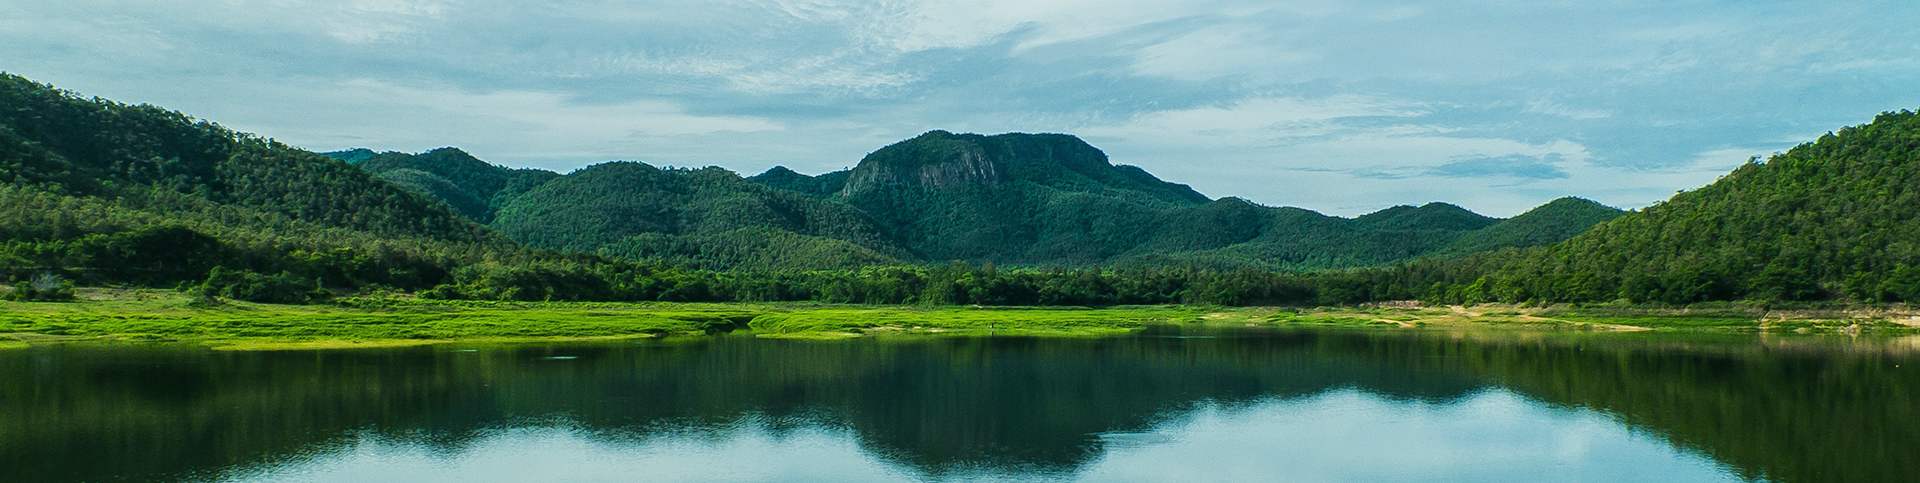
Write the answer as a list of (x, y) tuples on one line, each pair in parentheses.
[(1245, 405), (1345, 435)]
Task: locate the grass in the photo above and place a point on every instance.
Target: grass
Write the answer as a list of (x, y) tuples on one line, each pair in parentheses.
[(162, 316), (1026, 321)]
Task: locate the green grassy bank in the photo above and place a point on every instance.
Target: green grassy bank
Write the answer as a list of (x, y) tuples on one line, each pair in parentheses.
[(147, 315)]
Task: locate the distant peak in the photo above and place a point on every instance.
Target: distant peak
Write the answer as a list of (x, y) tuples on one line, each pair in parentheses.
[(1431, 216), (940, 159), (1575, 201), (1570, 204), (449, 152), (778, 171), (354, 155)]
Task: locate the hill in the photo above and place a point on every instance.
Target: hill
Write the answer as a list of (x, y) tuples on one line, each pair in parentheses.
[(1557, 220), (822, 186), (1011, 199), (1837, 217), (473, 187), (1052, 199), (642, 212), (105, 192), (1429, 217)]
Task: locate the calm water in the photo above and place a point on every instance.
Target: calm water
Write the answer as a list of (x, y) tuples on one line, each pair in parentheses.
[(1170, 405)]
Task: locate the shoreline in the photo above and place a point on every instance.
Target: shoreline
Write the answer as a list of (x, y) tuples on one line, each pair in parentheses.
[(157, 316)]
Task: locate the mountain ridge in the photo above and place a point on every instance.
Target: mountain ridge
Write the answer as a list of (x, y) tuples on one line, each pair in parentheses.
[(1012, 199)]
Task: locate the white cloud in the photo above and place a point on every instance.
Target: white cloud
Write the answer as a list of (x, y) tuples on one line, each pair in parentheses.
[(1350, 155), (1549, 107), (1265, 120), (538, 128), (935, 24), (372, 21), (1216, 52)]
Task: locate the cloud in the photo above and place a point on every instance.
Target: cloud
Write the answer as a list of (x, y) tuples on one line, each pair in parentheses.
[(373, 21), (1509, 166), (547, 129)]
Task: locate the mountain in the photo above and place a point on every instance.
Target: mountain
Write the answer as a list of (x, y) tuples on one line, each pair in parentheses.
[(56, 141), (1052, 199), (99, 192), (473, 187), (102, 193), (940, 160), (106, 192), (1019, 199), (1232, 233), (612, 203), (1557, 220), (1429, 217), (1837, 217), (822, 186), (1009, 198)]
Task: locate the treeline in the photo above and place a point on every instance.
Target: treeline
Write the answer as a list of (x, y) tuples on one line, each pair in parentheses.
[(957, 283), (162, 239), (159, 238)]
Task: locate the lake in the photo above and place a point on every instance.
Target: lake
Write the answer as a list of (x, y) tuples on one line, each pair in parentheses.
[(1169, 404)]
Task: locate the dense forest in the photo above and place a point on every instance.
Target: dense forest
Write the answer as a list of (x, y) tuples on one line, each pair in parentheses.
[(94, 192), (1837, 218)]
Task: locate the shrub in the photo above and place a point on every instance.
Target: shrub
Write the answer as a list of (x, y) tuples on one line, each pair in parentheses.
[(45, 287), (285, 288)]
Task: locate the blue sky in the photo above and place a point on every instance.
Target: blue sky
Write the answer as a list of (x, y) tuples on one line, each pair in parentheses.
[(1343, 107)]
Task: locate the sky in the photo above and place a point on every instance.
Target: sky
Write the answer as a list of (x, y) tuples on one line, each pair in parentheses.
[(1344, 107)]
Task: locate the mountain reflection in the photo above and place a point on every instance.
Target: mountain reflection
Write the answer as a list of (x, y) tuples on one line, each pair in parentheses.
[(1796, 410)]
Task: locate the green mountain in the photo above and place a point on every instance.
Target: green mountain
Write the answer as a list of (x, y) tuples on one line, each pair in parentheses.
[(104, 193), (107, 192), (1839, 216), (1010, 198), (1428, 217), (1557, 220), (1052, 199), (633, 209), (473, 187), (59, 142), (1019, 199), (1232, 233), (822, 186)]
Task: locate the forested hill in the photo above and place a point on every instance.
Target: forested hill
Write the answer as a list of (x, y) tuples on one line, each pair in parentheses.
[(1010, 198), (1044, 199), (1020, 199), (1557, 220), (940, 160), (100, 191), (711, 218), (1837, 217), (57, 142), (97, 192), (471, 186)]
